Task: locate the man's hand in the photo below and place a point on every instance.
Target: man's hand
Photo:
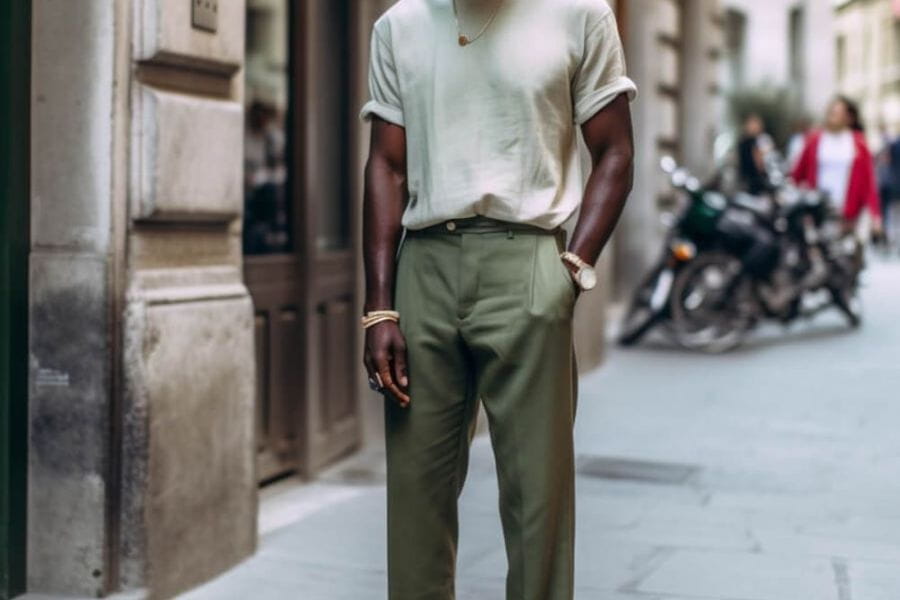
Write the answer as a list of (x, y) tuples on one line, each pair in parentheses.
[(385, 359), (573, 270)]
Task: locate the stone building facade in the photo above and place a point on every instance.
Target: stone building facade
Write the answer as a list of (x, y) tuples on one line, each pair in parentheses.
[(791, 46), (867, 49), (192, 276)]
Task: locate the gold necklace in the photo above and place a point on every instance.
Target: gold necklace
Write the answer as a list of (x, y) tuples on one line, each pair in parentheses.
[(465, 40)]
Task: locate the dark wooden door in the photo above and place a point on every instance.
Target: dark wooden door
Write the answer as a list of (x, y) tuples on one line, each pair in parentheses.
[(333, 426), (300, 261), (15, 74)]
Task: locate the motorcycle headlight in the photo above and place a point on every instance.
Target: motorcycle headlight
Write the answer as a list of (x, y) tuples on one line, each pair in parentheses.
[(683, 250)]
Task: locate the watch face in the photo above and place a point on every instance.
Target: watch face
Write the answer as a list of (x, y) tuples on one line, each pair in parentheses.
[(587, 279)]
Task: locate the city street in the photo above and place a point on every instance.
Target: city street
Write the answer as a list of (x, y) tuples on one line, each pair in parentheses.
[(770, 473)]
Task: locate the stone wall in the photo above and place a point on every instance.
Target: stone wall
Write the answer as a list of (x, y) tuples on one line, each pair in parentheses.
[(142, 461), (71, 275)]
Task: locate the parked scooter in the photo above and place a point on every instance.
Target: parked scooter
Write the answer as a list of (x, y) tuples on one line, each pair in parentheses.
[(729, 263)]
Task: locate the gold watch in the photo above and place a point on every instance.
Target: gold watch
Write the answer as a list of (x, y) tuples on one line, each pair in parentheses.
[(585, 276)]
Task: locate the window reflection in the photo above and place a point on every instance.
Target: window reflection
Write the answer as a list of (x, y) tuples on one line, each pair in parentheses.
[(329, 76), (267, 210)]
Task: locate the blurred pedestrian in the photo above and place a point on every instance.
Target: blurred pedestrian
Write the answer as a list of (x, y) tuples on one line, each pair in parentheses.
[(474, 154), (883, 164), (752, 148), (837, 160), (888, 171), (889, 184)]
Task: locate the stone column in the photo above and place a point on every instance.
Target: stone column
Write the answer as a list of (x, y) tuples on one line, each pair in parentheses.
[(700, 96), (141, 450), (639, 232), (819, 57)]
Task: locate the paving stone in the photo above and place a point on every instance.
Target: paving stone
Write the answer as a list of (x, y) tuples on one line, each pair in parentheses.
[(780, 541), (347, 535), (873, 581), (742, 576)]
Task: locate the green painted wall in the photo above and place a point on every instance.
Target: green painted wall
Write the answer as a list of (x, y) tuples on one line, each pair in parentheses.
[(15, 33)]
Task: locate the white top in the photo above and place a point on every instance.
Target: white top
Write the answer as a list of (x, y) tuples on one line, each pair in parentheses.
[(491, 127), (795, 149), (836, 154)]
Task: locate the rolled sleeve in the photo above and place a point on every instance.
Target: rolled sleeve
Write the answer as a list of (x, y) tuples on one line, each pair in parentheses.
[(384, 87), (601, 75), (391, 114)]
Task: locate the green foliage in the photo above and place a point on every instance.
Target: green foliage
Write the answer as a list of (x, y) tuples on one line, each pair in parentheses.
[(776, 106)]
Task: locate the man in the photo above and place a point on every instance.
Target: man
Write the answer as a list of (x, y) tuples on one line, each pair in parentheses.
[(475, 110)]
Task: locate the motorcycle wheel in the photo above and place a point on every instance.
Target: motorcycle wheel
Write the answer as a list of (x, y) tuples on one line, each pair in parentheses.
[(640, 317), (845, 295), (849, 303), (710, 311), (844, 286), (638, 321)]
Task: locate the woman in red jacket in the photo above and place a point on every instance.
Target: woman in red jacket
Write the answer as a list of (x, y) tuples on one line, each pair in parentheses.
[(836, 160)]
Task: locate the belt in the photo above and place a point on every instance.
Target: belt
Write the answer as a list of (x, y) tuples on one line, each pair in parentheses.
[(481, 224)]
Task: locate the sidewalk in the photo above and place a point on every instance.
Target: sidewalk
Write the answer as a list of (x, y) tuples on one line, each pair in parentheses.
[(766, 474)]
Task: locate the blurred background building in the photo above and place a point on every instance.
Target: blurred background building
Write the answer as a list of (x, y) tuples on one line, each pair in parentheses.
[(785, 44), (867, 46), (192, 252)]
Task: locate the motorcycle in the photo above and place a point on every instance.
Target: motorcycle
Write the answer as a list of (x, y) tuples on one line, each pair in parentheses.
[(687, 234), (730, 263)]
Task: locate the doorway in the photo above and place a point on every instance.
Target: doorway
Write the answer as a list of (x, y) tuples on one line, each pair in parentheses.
[(299, 254)]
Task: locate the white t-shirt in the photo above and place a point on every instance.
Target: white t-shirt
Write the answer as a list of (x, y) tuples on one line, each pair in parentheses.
[(491, 127), (836, 154), (795, 149)]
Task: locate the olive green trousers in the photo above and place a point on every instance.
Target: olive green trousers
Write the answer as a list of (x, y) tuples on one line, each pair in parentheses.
[(487, 315)]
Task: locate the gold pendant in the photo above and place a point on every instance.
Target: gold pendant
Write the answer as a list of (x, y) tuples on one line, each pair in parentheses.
[(463, 40)]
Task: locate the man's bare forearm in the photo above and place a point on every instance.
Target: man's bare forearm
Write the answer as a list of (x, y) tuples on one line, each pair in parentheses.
[(609, 139), (604, 199), (383, 204)]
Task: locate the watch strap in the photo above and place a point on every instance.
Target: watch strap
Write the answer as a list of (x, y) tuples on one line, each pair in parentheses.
[(574, 259)]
